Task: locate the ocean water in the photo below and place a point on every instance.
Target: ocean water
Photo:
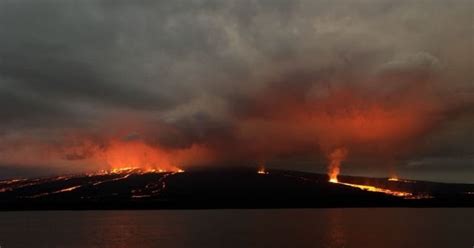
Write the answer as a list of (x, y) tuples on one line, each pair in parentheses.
[(365, 227)]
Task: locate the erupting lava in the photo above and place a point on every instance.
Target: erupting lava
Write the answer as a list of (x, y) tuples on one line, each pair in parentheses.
[(140, 157), (335, 158), (261, 168), (262, 171), (139, 170), (376, 189)]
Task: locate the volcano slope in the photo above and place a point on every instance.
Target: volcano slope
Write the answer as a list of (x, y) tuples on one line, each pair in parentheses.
[(222, 188)]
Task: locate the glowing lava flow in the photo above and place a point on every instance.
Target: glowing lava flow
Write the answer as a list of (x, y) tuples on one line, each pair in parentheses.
[(92, 179), (135, 170), (395, 179), (375, 189)]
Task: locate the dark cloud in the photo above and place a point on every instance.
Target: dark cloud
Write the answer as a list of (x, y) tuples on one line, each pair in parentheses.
[(174, 74)]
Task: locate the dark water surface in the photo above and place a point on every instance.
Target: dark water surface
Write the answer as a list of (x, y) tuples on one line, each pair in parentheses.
[(389, 227)]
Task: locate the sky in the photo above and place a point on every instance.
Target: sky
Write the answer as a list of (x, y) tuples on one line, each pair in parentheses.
[(89, 85)]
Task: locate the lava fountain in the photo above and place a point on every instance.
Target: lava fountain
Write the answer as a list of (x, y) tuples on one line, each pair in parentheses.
[(261, 168), (335, 159)]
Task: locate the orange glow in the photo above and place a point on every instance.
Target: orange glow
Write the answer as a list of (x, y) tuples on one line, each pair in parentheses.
[(138, 170), (395, 179), (279, 124), (134, 154), (333, 180), (122, 156)]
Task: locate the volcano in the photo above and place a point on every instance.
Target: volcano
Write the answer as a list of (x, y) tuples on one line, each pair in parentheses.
[(224, 188)]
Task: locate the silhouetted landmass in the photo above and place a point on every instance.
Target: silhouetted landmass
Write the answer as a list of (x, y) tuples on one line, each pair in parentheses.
[(221, 188)]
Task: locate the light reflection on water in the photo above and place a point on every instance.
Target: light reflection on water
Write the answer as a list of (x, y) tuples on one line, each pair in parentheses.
[(335, 232), (239, 228)]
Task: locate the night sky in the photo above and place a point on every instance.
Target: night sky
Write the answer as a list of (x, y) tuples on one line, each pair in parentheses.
[(89, 85)]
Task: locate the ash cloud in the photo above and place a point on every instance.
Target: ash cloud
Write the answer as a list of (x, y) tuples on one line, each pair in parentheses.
[(180, 74)]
